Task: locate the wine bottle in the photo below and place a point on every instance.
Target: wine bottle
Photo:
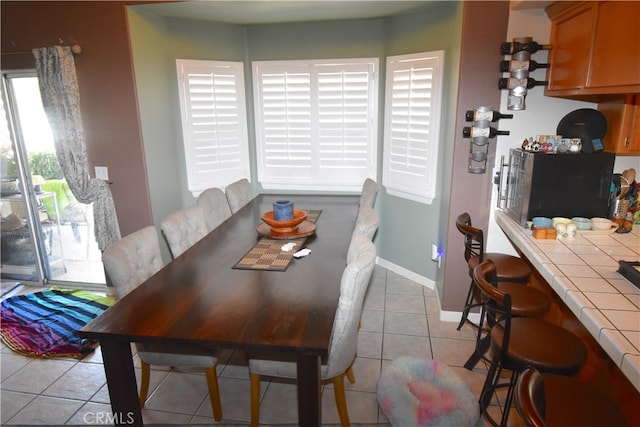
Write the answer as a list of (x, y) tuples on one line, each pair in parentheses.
[(513, 65), (474, 132), (509, 48), (512, 82), (490, 116)]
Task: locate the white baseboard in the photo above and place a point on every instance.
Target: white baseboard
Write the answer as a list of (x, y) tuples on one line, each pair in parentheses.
[(445, 316), (406, 273)]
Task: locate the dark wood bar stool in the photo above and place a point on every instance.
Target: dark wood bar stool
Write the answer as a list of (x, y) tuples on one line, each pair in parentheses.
[(548, 400), (526, 301), (520, 342), (510, 268)]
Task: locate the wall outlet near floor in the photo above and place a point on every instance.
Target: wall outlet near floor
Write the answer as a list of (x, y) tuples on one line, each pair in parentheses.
[(436, 254)]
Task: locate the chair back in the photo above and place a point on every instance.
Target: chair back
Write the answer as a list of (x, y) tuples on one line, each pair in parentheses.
[(238, 194), (473, 238), (359, 242), (369, 193), (215, 206), (367, 222), (353, 287), (182, 229), (496, 310), (530, 398), (132, 260)]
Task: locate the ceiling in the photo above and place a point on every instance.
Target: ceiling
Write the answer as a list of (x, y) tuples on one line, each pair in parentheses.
[(256, 12)]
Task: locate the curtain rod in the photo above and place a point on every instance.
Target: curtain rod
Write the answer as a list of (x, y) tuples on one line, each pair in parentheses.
[(76, 49)]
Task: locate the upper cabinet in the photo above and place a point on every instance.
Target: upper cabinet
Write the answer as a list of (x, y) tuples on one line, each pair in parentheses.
[(595, 48), (623, 124)]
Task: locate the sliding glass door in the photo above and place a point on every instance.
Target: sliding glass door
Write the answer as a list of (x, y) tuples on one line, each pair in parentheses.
[(47, 235)]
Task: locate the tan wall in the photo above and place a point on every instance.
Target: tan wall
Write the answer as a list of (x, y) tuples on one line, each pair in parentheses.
[(484, 27), (107, 89)]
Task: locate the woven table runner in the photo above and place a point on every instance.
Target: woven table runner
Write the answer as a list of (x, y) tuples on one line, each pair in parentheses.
[(313, 215), (268, 255)]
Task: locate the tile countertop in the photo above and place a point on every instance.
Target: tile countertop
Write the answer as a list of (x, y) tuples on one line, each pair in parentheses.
[(583, 272)]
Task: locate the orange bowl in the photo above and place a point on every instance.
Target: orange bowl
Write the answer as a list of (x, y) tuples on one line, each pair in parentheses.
[(298, 217)]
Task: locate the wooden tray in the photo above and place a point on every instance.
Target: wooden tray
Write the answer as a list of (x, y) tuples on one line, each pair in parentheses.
[(306, 228)]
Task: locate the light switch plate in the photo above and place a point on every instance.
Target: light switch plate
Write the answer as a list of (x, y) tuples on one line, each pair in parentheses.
[(102, 172)]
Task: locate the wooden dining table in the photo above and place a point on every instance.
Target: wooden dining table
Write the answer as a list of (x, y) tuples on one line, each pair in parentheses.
[(199, 303)]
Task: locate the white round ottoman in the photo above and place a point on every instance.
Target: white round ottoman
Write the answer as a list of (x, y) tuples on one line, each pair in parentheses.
[(413, 391)]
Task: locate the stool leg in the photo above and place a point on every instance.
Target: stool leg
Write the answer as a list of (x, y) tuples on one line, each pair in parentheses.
[(482, 345), (490, 387), (482, 342), (509, 399), (468, 304)]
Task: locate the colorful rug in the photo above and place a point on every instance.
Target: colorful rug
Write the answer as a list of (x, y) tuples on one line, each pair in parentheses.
[(45, 323)]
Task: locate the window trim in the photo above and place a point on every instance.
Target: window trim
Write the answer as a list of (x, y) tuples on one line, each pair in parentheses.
[(404, 184), (314, 67), (219, 178)]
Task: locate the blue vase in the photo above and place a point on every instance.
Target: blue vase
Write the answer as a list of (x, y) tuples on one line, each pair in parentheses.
[(283, 210)]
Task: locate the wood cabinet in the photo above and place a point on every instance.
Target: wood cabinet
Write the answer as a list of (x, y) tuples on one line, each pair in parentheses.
[(595, 48), (623, 120)]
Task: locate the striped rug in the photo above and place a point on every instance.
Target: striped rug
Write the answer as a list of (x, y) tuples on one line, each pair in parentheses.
[(44, 324)]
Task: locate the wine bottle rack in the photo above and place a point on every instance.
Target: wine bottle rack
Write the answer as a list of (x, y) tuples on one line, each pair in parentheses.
[(519, 65), (479, 134)]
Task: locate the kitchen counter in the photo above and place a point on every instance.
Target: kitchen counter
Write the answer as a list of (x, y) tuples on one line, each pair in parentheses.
[(582, 272)]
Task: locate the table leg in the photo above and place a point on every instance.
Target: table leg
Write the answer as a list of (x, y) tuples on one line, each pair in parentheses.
[(121, 381), (309, 399)]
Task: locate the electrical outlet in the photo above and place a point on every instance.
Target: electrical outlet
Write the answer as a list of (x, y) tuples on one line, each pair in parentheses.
[(435, 255)]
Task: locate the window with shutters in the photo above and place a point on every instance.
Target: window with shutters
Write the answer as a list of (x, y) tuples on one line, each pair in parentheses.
[(316, 123), (214, 123), (413, 93)]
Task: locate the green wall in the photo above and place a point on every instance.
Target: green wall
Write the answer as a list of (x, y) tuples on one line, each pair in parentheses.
[(157, 42)]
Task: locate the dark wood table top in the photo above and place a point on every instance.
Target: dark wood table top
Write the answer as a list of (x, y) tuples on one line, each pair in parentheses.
[(199, 301)]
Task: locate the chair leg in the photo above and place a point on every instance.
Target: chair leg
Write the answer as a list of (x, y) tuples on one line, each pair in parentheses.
[(214, 392), (144, 382), (341, 400), (255, 399), (350, 376), (349, 372)]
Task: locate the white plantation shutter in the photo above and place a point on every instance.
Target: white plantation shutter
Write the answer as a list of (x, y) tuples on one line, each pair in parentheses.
[(316, 123), (212, 104), (412, 125)]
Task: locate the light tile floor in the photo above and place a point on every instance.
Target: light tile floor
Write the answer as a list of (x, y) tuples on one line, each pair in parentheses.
[(399, 318)]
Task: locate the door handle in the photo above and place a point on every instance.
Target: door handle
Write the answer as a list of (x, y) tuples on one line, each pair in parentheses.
[(498, 179)]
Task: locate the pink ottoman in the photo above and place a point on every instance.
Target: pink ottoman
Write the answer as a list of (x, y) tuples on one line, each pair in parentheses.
[(424, 392)]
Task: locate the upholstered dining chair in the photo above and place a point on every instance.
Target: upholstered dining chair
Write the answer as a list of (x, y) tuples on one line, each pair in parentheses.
[(183, 228), (215, 206), (367, 221), (343, 346), (129, 262), (369, 193), (239, 193)]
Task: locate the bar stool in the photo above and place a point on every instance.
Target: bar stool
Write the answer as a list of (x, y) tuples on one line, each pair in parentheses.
[(510, 268), (547, 400), (520, 342), (526, 301)]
